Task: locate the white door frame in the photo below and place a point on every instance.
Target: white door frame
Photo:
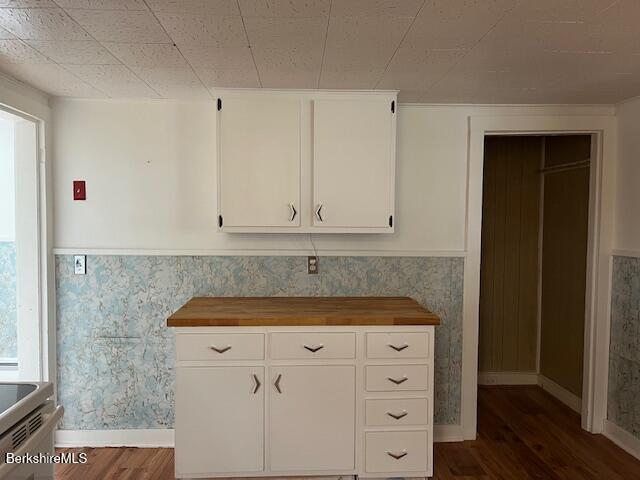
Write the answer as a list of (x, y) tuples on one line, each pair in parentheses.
[(596, 334), (45, 261)]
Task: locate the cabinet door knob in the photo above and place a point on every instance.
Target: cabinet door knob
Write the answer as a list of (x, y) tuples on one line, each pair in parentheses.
[(398, 381), (397, 456), (396, 348), (220, 350), (314, 349), (257, 383), (397, 416), (294, 212), (277, 383), (319, 212)]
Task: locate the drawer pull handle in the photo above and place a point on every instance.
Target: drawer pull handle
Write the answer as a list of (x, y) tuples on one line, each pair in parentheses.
[(314, 349), (277, 383), (397, 456), (398, 416), (257, 381), (398, 349), (220, 350), (398, 381)]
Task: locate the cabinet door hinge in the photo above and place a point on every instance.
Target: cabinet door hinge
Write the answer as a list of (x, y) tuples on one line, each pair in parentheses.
[(391, 220), (219, 104), (220, 221), (393, 106)]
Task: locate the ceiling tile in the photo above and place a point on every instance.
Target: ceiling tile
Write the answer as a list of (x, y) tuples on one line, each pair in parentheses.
[(217, 57), (16, 51), (404, 80), (147, 54), (28, 4), (360, 78), (237, 78), (285, 8), (6, 35), (288, 59), (76, 52), (121, 25), (41, 24), (217, 31), (357, 42), (103, 4), (52, 79), (410, 58), (296, 79), (211, 7), (410, 96), (173, 82), (286, 32), (481, 10), (565, 11), (115, 80), (375, 8)]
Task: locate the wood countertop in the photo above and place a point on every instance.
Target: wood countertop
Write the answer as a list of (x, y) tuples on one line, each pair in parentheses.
[(300, 311)]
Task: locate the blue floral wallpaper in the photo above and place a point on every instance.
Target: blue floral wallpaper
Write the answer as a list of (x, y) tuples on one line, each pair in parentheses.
[(623, 407), (116, 356), (8, 317)]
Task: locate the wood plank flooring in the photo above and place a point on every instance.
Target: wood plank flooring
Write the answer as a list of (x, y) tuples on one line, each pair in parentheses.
[(523, 433)]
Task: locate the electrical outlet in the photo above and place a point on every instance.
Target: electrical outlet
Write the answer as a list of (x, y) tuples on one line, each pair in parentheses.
[(312, 265), (80, 264)]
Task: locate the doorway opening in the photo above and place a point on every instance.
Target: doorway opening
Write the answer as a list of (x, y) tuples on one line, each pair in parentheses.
[(20, 259), (534, 262)]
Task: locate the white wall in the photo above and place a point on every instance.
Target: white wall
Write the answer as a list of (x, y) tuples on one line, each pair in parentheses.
[(7, 183), (150, 172), (627, 224)]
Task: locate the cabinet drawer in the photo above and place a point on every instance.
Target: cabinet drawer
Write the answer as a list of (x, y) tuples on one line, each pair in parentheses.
[(400, 452), (398, 345), (397, 411), (220, 346), (391, 378), (312, 345)]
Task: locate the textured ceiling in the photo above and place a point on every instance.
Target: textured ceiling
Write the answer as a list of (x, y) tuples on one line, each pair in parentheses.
[(449, 51)]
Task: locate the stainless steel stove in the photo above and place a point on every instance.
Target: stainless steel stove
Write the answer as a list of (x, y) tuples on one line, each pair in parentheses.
[(28, 418)]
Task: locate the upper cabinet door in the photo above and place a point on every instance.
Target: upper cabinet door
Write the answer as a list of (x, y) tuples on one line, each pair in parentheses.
[(353, 162), (259, 162)]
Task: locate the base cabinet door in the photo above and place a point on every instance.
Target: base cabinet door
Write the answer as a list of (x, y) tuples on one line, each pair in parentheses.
[(219, 420), (312, 418)]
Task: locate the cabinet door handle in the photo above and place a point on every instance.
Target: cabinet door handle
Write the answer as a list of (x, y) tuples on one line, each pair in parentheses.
[(314, 349), (294, 212), (318, 212), (398, 416), (397, 456), (396, 348), (257, 383), (220, 350), (398, 381), (277, 383)]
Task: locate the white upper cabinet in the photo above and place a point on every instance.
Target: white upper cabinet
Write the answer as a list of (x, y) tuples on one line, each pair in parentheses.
[(353, 162), (306, 161), (259, 162)]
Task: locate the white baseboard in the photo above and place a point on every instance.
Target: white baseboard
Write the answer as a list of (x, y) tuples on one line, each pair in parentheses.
[(562, 394), (622, 438), (447, 433), (165, 437), (115, 438), (507, 378)]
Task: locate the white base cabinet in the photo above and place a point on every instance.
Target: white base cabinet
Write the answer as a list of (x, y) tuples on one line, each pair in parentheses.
[(304, 401)]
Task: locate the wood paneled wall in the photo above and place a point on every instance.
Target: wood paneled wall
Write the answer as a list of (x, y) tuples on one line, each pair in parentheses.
[(564, 261), (510, 251)]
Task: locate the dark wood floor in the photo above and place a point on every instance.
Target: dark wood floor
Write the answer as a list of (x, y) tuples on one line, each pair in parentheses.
[(524, 433)]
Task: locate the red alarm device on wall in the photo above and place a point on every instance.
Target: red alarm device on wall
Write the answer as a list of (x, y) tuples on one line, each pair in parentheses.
[(79, 190)]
